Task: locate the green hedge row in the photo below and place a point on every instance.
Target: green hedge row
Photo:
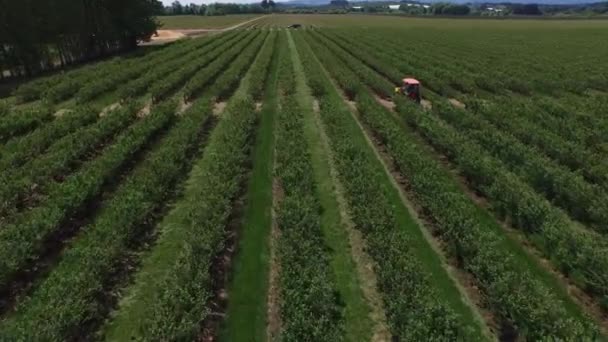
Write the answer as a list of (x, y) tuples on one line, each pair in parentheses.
[(63, 85), (83, 88), (376, 82), (535, 312), (59, 159), (259, 74), (209, 52), (73, 292), (192, 72), (513, 119), (22, 121), (230, 79), (576, 253), (399, 64), (121, 73), (580, 254), (19, 150), (24, 240), (585, 202)]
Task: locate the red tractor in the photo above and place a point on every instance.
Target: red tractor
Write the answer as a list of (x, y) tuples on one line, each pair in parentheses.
[(410, 88)]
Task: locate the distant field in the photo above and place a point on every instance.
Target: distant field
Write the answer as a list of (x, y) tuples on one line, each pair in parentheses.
[(202, 22), (387, 21)]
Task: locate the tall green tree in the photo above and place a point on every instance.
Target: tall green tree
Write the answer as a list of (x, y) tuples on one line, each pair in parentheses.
[(36, 35)]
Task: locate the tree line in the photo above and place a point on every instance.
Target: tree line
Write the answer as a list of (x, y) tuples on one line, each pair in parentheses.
[(176, 8), (38, 35)]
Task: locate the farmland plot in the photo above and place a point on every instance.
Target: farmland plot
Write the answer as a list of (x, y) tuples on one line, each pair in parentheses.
[(268, 184)]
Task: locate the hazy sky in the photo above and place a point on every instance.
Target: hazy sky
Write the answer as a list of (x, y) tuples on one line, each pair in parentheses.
[(184, 2)]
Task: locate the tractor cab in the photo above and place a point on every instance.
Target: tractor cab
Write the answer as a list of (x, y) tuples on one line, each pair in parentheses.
[(410, 88)]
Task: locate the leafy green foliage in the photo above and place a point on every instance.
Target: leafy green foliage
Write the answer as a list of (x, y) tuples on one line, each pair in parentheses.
[(184, 54), (15, 186), (24, 240), (577, 251), (38, 36), (222, 58), (94, 255), (585, 202), (22, 121), (19, 150), (258, 75), (180, 287), (534, 310)]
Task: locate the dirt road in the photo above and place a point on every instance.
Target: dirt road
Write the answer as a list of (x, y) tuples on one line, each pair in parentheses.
[(167, 36)]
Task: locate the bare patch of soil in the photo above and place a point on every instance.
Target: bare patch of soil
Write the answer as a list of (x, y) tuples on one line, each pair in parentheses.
[(109, 109), (258, 106), (457, 103), (218, 108), (273, 327), (352, 105), (388, 104), (315, 106), (167, 35), (426, 104), (183, 106), (145, 111), (61, 112)]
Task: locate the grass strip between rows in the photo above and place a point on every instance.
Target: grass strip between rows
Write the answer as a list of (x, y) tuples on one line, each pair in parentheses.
[(311, 309), (169, 297), (246, 311), (414, 309), (510, 198), (534, 314), (363, 311)]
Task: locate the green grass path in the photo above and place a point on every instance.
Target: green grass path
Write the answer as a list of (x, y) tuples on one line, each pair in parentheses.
[(434, 264), (246, 312), (358, 323)]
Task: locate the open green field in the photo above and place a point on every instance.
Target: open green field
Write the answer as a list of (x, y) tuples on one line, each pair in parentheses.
[(267, 184), (400, 22), (185, 22)]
